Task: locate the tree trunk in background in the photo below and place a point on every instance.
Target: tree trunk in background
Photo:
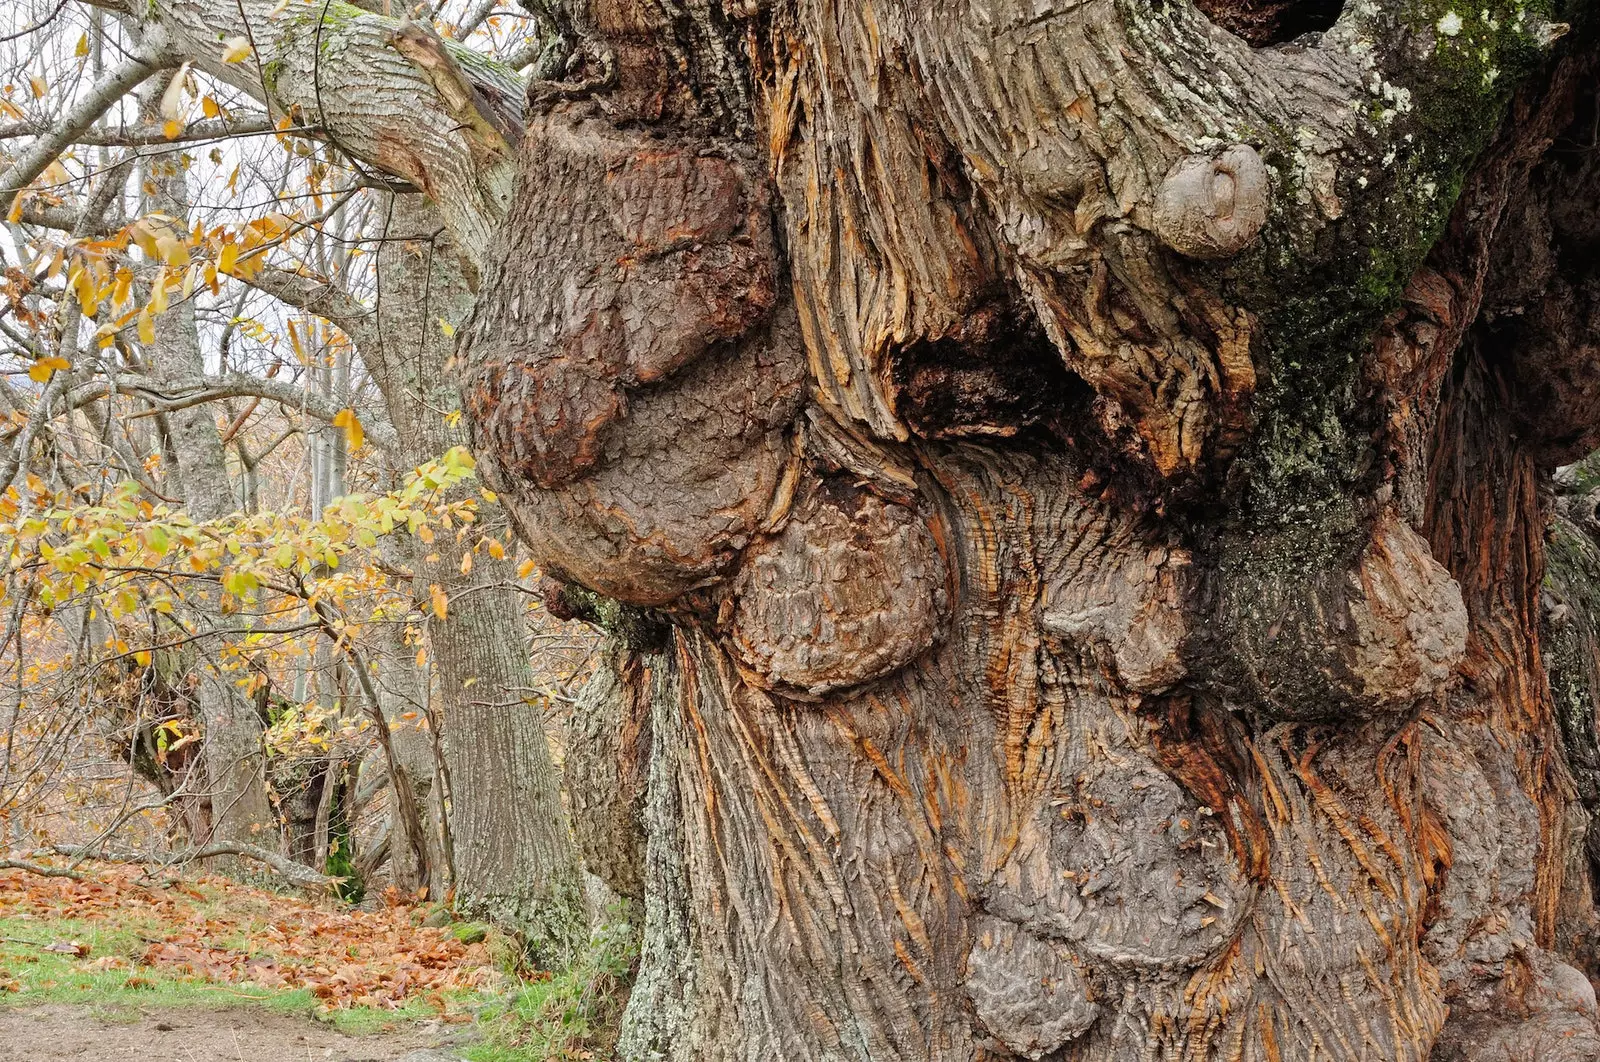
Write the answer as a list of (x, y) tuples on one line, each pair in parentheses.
[(515, 863), (402, 687), (1092, 458), (233, 759)]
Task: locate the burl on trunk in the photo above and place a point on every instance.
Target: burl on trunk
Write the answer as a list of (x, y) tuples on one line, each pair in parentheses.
[(1086, 461)]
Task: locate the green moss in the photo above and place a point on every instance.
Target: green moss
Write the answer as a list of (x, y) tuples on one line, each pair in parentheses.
[(1325, 291), (270, 73)]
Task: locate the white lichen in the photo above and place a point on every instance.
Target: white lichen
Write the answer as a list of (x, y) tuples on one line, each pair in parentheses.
[(1449, 24)]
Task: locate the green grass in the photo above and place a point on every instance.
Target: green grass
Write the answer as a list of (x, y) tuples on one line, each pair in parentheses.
[(568, 1014), (571, 1014)]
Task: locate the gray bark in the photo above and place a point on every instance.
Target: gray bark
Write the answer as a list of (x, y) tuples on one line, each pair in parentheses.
[(514, 859), (232, 755)]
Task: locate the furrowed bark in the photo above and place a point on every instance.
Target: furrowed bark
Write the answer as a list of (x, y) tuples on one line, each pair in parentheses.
[(1127, 644)]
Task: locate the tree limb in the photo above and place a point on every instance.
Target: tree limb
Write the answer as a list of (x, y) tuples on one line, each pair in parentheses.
[(288, 869), (69, 130), (185, 392), (208, 129)]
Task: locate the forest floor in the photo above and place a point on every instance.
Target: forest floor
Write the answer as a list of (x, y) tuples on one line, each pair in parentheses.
[(137, 965)]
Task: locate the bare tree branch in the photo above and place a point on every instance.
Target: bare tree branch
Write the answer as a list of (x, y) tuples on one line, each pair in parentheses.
[(185, 392), (208, 129), (69, 130), (294, 873)]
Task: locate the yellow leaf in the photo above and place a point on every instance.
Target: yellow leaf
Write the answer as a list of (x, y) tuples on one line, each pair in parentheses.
[(143, 657), (496, 550), (209, 108), (466, 564), (147, 328), (440, 605), (237, 50), (172, 250), (525, 569), (353, 432), (446, 327), (14, 215), (422, 657), (38, 372), (38, 85), (172, 98), (171, 128), (83, 46), (229, 256)]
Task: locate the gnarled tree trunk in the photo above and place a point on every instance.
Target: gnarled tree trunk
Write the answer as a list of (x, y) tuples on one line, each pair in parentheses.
[(1091, 457)]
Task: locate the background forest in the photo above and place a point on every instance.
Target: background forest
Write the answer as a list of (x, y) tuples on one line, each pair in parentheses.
[(259, 616)]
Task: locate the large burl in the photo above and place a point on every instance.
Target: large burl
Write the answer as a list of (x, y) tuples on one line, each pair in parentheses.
[(1100, 537)]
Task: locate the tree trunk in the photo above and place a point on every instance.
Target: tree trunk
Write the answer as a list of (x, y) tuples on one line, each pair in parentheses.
[(232, 755), (515, 863), (1093, 458), (1092, 464)]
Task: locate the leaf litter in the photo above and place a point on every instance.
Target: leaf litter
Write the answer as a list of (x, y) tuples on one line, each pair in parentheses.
[(211, 929)]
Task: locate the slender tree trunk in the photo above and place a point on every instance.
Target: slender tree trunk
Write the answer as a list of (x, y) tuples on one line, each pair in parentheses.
[(515, 863), (233, 760)]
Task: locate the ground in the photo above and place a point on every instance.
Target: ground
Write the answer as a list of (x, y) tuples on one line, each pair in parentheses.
[(159, 966), (62, 1031)]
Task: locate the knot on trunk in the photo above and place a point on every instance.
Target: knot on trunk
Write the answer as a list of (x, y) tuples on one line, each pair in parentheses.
[(1026, 990), (850, 590), (1213, 206)]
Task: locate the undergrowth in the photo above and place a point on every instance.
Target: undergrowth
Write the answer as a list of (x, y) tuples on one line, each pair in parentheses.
[(568, 1014)]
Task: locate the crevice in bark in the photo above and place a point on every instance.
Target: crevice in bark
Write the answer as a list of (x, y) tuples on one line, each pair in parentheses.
[(998, 376), (1264, 22)]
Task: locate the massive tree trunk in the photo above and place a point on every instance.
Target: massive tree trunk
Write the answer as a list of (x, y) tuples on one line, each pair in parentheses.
[(1092, 467)]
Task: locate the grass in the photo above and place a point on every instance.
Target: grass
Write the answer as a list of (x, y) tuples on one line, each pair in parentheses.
[(124, 923), (570, 1014)]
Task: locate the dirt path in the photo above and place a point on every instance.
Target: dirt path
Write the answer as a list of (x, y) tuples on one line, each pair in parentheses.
[(59, 1033)]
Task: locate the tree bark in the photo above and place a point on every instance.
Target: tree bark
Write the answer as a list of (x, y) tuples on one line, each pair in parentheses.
[(1102, 533), (515, 863)]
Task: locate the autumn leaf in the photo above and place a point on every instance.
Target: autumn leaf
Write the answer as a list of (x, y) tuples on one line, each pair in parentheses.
[(41, 370), (354, 434), (237, 50), (441, 605)]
